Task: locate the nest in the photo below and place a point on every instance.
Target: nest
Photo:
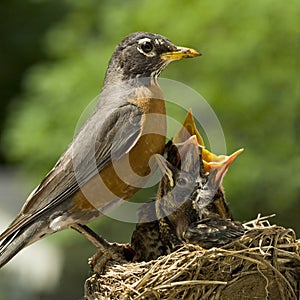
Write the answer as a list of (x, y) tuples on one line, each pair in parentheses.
[(263, 264)]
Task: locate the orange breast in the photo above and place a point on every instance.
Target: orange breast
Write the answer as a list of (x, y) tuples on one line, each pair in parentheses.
[(125, 176)]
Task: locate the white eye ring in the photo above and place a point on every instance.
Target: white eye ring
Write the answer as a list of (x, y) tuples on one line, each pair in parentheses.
[(146, 47)]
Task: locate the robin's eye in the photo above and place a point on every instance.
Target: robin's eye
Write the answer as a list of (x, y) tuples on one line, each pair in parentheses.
[(147, 47), (181, 181)]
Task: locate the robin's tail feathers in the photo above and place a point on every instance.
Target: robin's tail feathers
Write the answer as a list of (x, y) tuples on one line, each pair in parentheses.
[(18, 240)]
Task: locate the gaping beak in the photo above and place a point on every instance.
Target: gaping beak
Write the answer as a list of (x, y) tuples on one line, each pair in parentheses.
[(179, 53), (187, 130), (217, 170)]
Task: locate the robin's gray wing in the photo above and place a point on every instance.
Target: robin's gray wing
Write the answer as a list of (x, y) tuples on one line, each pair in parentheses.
[(90, 152)]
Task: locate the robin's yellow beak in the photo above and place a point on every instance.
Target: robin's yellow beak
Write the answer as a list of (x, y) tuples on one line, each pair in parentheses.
[(180, 53)]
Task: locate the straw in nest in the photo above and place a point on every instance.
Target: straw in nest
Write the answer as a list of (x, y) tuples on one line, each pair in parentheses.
[(263, 264)]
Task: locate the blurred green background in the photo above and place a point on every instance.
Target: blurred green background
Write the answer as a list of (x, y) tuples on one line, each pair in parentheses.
[(53, 57)]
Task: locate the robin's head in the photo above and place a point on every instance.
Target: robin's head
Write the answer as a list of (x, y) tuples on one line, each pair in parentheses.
[(181, 171), (143, 54), (212, 167), (188, 186)]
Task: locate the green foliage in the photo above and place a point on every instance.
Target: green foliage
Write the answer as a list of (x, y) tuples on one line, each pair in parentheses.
[(21, 44)]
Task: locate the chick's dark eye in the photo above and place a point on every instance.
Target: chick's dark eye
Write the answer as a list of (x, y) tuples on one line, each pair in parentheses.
[(147, 47), (181, 181)]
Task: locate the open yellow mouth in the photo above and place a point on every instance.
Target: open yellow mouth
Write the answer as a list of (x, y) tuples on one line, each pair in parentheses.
[(210, 160)]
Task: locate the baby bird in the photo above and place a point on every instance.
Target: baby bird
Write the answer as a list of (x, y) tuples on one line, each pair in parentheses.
[(190, 204), (185, 207)]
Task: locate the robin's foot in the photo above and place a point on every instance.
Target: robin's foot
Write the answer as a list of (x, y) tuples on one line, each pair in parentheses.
[(106, 250), (115, 252)]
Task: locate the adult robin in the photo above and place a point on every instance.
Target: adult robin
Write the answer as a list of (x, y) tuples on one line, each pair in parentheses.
[(126, 129)]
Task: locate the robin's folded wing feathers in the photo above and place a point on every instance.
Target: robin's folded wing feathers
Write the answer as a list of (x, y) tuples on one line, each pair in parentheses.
[(115, 137)]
